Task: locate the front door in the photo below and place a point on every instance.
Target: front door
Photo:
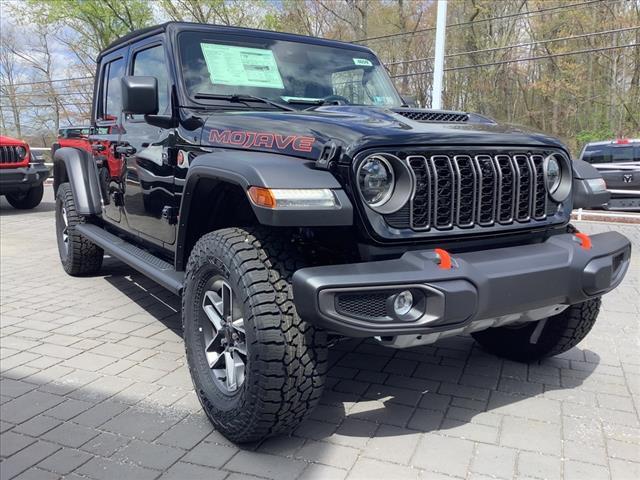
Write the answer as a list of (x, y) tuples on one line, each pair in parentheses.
[(149, 179)]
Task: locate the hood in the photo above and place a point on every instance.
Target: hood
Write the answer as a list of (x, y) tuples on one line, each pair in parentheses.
[(305, 133), (4, 140)]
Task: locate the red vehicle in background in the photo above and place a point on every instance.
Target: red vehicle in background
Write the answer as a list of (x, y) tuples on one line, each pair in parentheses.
[(21, 174), (76, 137), (98, 141)]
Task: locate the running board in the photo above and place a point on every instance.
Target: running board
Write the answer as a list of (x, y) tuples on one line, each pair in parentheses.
[(153, 267)]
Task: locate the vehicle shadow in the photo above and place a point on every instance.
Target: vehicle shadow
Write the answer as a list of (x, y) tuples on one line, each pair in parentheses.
[(6, 210), (158, 302), (453, 386)]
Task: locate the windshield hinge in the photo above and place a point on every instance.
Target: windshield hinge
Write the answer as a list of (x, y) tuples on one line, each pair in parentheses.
[(330, 152)]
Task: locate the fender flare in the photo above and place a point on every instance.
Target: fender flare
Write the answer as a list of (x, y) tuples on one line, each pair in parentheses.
[(79, 169), (245, 169)]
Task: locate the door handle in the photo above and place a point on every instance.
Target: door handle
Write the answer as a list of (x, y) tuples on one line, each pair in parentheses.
[(125, 149), (98, 147)]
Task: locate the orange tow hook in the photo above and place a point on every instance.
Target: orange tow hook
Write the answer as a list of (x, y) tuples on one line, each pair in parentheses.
[(585, 241), (445, 259)]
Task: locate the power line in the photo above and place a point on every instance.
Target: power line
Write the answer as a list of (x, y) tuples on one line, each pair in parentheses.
[(33, 105), (540, 57), (52, 81), (49, 94), (540, 42), (483, 20)]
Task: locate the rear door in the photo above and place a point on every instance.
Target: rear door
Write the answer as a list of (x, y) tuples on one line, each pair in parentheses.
[(107, 127)]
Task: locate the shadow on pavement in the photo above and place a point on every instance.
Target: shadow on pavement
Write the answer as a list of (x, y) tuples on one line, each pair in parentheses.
[(7, 210), (432, 388)]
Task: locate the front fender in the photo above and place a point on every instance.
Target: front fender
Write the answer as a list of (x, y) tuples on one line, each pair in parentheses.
[(79, 169), (269, 170)]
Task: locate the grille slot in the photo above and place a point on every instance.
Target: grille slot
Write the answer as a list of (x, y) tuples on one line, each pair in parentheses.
[(468, 190), (426, 116), (9, 155)]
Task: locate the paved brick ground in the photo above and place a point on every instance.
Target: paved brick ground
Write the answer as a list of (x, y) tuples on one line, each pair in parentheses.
[(94, 385)]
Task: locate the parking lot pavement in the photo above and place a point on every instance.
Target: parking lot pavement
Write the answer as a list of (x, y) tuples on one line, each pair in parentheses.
[(94, 385)]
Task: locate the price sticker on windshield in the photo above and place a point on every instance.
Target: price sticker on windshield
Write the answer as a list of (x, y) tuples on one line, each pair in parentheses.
[(241, 66), (363, 62)]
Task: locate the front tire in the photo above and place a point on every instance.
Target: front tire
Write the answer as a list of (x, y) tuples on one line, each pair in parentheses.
[(27, 200), (536, 340), (257, 367), (79, 256)]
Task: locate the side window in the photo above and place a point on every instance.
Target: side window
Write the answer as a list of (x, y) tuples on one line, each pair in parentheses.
[(112, 90), (151, 63)]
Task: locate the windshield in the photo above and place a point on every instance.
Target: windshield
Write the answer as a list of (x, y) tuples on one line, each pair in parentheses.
[(282, 71)]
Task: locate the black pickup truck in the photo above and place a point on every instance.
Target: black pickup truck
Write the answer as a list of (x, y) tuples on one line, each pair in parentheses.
[(283, 188)]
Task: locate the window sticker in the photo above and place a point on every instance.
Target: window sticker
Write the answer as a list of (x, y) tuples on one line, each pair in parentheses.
[(363, 62), (241, 66)]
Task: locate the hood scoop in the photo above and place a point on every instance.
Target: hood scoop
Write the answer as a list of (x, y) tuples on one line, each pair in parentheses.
[(433, 116)]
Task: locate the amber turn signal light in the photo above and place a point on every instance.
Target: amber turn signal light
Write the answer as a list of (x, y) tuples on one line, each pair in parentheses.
[(262, 197)]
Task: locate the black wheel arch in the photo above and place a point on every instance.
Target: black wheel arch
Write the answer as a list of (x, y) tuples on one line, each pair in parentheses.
[(221, 179), (79, 169)]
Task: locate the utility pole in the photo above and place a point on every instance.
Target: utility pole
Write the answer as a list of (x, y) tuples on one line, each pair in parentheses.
[(438, 63)]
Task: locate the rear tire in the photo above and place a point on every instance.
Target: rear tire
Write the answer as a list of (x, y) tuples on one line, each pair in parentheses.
[(557, 335), (285, 358), (79, 256), (27, 200)]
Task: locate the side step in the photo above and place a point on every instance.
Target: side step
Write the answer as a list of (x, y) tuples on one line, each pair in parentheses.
[(153, 267)]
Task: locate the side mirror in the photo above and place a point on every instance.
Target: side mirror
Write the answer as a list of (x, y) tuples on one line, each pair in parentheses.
[(589, 188), (410, 100), (140, 95)]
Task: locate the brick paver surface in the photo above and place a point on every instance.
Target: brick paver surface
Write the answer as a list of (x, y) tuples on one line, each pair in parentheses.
[(94, 384)]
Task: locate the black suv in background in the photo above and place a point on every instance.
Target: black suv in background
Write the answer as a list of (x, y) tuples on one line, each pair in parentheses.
[(283, 188), (619, 163)]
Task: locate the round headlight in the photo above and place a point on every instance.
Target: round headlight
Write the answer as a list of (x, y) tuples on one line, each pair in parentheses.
[(22, 152), (552, 174), (375, 180), (557, 176)]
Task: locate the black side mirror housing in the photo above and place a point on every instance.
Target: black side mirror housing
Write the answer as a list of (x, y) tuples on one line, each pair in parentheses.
[(589, 188), (410, 100), (140, 95)]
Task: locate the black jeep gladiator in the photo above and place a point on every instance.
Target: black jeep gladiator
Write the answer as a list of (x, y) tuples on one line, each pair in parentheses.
[(282, 187)]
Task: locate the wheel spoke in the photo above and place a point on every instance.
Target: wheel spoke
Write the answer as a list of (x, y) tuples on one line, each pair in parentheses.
[(238, 325), (227, 303), (212, 305), (230, 370)]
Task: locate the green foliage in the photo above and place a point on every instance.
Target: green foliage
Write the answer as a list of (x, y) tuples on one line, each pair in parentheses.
[(96, 23), (586, 136)]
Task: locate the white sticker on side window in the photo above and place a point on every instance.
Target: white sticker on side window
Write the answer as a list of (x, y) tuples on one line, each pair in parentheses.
[(363, 62)]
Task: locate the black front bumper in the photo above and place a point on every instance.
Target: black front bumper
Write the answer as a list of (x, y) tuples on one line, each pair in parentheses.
[(480, 285), (22, 179)]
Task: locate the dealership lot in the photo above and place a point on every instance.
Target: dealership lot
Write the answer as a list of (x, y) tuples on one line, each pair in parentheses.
[(94, 384)]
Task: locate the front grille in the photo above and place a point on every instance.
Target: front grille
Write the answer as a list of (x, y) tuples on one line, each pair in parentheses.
[(367, 306), (9, 155), (426, 116), (474, 189)]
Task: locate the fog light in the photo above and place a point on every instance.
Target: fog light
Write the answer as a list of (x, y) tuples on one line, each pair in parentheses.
[(403, 303)]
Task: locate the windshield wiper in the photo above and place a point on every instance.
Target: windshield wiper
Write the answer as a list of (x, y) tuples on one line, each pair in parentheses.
[(243, 98)]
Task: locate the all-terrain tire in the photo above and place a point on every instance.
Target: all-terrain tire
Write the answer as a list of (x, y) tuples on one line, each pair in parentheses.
[(27, 200), (559, 334), (286, 356), (79, 256)]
